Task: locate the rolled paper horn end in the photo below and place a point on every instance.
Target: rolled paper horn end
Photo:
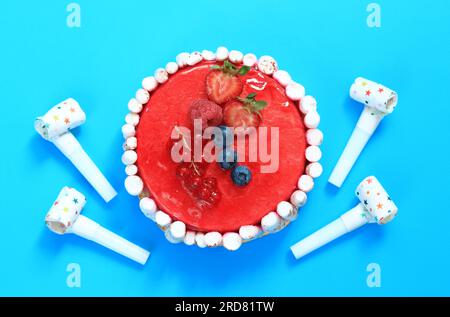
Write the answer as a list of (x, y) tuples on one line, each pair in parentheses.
[(60, 119), (379, 101), (376, 200), (65, 210), (374, 95), (55, 126), (65, 217)]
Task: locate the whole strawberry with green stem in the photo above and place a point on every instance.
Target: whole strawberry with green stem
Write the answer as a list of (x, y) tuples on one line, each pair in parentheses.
[(244, 112), (223, 83)]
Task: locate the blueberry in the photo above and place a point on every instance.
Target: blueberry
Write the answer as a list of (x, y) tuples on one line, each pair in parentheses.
[(225, 138), (241, 175), (228, 159)]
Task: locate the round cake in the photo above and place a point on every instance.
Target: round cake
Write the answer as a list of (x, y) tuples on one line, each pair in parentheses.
[(221, 148)]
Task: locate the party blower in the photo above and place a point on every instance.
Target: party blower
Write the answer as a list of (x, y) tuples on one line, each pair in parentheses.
[(64, 217), (376, 207), (379, 101), (55, 127)]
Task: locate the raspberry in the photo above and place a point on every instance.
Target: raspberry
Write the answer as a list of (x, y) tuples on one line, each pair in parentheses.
[(209, 112)]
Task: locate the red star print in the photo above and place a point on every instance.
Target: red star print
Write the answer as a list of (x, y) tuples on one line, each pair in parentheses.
[(369, 181), (379, 206), (72, 110), (380, 90), (66, 121), (368, 92)]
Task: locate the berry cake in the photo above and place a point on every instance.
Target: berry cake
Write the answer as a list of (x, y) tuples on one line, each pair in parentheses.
[(239, 190)]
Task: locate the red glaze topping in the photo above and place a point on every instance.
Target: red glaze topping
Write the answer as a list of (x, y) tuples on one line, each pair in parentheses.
[(235, 206)]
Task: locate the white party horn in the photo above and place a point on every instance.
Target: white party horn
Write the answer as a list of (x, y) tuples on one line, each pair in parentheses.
[(64, 217), (379, 101), (55, 127), (376, 206)]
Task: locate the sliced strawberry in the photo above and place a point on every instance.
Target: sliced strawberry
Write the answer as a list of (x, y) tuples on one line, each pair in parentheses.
[(223, 84), (243, 112), (235, 115), (222, 87)]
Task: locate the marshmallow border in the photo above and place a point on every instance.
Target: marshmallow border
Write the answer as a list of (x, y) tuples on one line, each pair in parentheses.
[(274, 221)]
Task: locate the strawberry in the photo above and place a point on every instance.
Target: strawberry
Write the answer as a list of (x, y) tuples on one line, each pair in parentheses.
[(223, 83), (243, 112)]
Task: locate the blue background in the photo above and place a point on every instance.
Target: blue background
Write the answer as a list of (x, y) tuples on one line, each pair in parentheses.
[(325, 45)]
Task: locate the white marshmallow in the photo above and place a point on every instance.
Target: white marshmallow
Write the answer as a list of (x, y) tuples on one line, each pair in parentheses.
[(189, 238), (128, 130), (200, 240), (221, 53), (308, 104), (250, 59), (271, 222), (130, 143), (235, 56), (170, 238), (282, 77), (149, 83), (134, 185), (313, 153), (250, 232), (162, 219), (171, 68), (194, 58), (182, 59), (314, 137), (295, 91), (132, 118), (286, 210), (134, 105), (298, 198), (131, 170), (232, 241), (208, 55), (176, 232), (267, 65), (314, 169), (129, 157), (305, 183), (312, 119), (148, 207), (142, 96), (213, 239), (161, 75)]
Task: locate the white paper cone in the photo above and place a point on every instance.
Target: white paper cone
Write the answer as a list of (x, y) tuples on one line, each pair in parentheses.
[(72, 149), (88, 229), (367, 123), (349, 221), (379, 101), (64, 217)]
